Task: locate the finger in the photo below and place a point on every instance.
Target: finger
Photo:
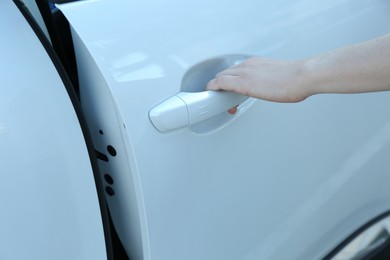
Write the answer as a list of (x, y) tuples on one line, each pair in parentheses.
[(212, 85), (231, 71), (225, 82)]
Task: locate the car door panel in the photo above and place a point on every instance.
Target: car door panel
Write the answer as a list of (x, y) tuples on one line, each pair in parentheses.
[(273, 181), (49, 202)]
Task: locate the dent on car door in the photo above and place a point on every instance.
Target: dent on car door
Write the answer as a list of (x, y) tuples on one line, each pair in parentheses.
[(48, 197), (272, 181)]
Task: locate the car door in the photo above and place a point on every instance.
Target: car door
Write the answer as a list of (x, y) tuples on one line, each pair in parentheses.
[(187, 180), (50, 208)]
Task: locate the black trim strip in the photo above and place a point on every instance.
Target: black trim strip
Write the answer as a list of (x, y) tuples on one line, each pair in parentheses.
[(61, 40), (83, 123), (356, 234)]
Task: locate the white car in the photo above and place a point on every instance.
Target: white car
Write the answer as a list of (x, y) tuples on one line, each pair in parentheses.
[(104, 102)]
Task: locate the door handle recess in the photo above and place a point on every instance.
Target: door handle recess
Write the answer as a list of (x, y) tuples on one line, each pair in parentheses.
[(186, 109)]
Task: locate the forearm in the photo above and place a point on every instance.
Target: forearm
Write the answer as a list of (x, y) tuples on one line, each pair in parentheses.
[(358, 68)]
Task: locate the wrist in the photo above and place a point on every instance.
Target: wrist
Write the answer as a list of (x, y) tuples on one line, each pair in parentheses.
[(305, 80), (311, 77)]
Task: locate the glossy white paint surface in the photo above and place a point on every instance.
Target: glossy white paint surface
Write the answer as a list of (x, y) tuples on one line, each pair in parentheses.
[(274, 181), (49, 205)]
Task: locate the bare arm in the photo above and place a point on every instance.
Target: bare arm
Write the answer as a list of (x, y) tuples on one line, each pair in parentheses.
[(363, 67)]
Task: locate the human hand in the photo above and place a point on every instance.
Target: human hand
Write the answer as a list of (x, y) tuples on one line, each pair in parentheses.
[(272, 80)]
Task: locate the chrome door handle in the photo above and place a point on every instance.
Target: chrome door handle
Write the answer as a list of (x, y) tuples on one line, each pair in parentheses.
[(186, 109), (194, 104)]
